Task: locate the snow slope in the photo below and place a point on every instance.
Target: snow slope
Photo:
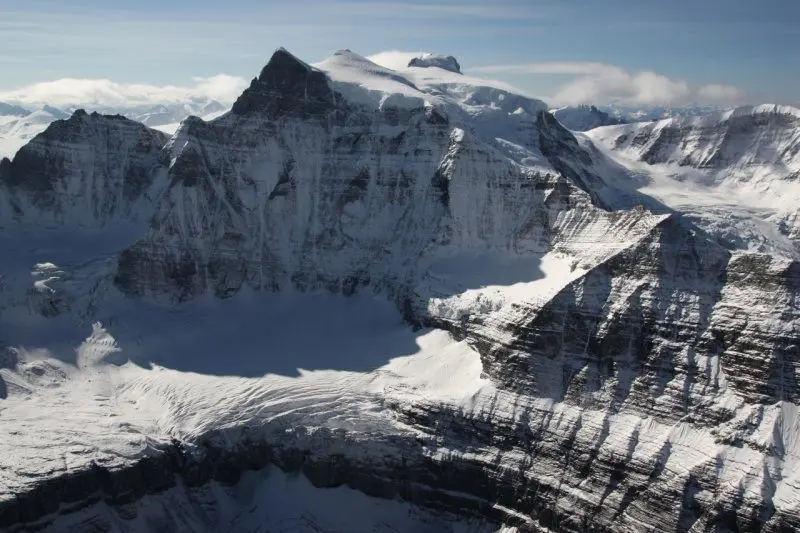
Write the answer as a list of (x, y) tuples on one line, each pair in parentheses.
[(17, 129), (11, 110), (735, 171), (255, 365)]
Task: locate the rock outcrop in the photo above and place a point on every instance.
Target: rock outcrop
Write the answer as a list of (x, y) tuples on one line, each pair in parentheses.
[(88, 169), (584, 117)]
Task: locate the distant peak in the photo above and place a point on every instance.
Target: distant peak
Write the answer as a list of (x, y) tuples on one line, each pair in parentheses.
[(57, 113), (13, 109), (763, 109), (283, 60), (436, 60)]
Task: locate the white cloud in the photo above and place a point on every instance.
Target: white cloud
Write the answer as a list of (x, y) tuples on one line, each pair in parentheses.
[(393, 59), (716, 93), (599, 83), (68, 91)]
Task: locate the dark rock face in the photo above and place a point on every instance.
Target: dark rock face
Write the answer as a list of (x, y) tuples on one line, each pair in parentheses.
[(193, 466), (86, 168), (287, 87), (571, 349), (585, 117), (431, 60), (565, 155), (760, 137)]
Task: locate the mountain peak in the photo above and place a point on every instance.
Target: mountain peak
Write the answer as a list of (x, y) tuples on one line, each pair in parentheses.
[(54, 111), (584, 117), (283, 61), (286, 86), (13, 110), (449, 63)]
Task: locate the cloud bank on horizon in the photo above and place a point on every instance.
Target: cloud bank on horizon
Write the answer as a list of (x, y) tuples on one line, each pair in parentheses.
[(597, 83), (600, 83), (102, 92), (586, 83)]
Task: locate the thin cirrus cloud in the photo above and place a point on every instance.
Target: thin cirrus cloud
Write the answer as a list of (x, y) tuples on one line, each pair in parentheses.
[(67, 91), (599, 83)]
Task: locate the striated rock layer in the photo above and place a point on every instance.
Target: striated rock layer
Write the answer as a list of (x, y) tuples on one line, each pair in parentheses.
[(635, 375), (85, 170)]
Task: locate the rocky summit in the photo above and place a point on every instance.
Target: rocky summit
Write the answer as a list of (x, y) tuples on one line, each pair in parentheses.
[(412, 287)]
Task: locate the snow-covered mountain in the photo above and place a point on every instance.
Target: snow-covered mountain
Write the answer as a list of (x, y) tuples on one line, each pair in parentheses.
[(18, 125), (12, 110), (60, 179), (414, 283), (584, 117), (164, 117), (627, 113), (736, 172)]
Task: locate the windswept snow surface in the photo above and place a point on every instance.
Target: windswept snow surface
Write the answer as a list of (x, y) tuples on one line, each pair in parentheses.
[(429, 84), (493, 111), (155, 373), (427, 78)]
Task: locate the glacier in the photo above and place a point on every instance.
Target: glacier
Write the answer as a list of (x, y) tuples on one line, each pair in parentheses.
[(409, 284), (734, 172)]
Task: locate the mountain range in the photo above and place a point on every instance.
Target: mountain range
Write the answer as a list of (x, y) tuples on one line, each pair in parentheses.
[(406, 284), (18, 124)]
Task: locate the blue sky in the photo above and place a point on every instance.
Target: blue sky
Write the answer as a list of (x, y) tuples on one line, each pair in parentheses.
[(637, 51)]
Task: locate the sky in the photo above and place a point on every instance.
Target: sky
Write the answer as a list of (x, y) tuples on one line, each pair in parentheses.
[(633, 52)]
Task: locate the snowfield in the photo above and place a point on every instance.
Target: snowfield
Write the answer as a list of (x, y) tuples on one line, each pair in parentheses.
[(739, 186), (159, 373)]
